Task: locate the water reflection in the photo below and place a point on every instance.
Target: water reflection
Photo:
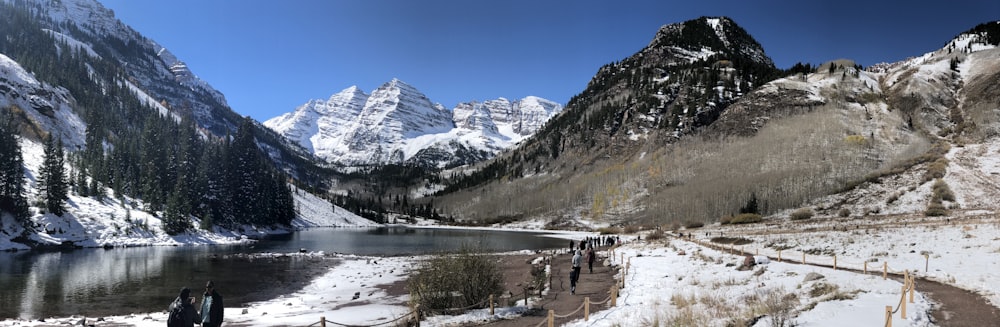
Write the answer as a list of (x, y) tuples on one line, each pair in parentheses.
[(98, 282)]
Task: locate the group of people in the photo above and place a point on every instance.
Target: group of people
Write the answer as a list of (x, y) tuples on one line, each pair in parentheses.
[(586, 252), (182, 312)]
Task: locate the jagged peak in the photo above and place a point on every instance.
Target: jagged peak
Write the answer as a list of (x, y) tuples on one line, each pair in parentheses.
[(706, 34)]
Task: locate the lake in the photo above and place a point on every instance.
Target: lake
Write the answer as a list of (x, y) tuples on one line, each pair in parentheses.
[(104, 282)]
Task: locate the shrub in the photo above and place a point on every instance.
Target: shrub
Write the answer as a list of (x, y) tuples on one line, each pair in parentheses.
[(458, 280), (746, 218), (941, 191), (935, 209), (694, 224), (631, 229), (726, 220), (936, 169), (656, 234), (844, 213), (804, 213)]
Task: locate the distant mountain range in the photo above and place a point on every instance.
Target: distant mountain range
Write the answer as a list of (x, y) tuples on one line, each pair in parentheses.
[(397, 124)]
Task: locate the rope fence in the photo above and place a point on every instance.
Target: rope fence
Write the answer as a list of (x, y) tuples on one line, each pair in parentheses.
[(909, 279)]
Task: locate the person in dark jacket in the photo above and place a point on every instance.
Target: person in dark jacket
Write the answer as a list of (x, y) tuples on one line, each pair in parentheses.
[(189, 316), (211, 307)]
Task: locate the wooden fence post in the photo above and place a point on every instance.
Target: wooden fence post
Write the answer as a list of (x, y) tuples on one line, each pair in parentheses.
[(614, 296), (888, 316), (322, 321), (866, 267), (927, 261), (525, 297), (885, 270), (552, 317), (491, 305), (779, 255), (586, 308), (803, 258), (758, 251), (834, 262)]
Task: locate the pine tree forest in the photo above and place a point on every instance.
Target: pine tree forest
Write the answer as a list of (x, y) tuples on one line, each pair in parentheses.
[(178, 170)]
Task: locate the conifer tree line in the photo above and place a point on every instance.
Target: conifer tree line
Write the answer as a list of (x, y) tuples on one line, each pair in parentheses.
[(13, 200), (177, 169)]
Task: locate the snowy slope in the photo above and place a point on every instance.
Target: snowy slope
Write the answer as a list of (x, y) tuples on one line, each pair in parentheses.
[(397, 123), (156, 72), (112, 222), (47, 107)]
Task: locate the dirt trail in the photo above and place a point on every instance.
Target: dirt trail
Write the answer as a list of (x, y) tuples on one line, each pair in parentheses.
[(596, 285), (956, 307)]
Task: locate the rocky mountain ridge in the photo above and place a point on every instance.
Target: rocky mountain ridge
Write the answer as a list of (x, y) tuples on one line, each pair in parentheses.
[(398, 124)]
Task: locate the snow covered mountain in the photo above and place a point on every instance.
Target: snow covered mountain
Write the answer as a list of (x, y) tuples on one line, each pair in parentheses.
[(399, 124)]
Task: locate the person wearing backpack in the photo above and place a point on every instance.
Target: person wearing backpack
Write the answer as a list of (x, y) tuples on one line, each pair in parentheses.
[(181, 312), (211, 307)]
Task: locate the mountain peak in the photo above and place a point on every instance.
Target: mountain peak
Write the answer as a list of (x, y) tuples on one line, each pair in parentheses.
[(702, 37)]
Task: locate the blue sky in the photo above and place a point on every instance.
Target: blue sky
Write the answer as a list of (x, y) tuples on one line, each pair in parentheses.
[(269, 57)]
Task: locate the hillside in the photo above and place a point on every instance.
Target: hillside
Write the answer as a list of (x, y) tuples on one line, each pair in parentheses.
[(151, 150), (834, 129)]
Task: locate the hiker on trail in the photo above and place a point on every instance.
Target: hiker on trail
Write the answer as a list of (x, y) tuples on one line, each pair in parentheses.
[(181, 312), (211, 307), (574, 274), (583, 245), (572, 246), (591, 256)]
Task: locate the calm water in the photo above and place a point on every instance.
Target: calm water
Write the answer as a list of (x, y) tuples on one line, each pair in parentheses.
[(98, 282)]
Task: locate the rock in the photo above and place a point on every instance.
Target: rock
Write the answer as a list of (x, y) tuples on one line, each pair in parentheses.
[(813, 276), (356, 295)]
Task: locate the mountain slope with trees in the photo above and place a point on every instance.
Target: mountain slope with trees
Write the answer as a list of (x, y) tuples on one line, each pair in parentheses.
[(707, 134), (123, 121)]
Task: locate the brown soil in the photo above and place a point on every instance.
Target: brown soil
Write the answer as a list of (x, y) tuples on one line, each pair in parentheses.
[(596, 286), (958, 307)]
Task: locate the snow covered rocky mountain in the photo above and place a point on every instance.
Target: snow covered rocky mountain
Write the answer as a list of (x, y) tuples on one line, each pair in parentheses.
[(397, 123)]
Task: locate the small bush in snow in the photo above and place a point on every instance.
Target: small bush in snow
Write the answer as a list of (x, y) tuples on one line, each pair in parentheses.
[(844, 213), (746, 218), (935, 210), (804, 213), (459, 280), (694, 224), (942, 191), (656, 234)]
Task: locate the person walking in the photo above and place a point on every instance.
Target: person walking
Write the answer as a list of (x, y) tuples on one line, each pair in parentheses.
[(211, 307), (591, 257), (181, 312), (574, 275)]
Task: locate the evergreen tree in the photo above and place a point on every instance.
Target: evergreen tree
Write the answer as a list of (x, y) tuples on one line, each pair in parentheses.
[(176, 218), (52, 177), (12, 189), (244, 176), (154, 161)]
